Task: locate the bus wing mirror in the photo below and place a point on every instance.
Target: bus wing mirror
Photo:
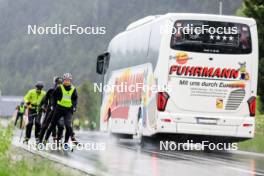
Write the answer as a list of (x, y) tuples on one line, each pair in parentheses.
[(102, 63)]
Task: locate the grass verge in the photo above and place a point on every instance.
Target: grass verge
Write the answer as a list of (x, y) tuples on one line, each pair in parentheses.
[(257, 143), (18, 162)]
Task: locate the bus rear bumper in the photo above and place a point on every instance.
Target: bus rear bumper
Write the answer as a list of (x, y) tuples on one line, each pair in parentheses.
[(235, 127)]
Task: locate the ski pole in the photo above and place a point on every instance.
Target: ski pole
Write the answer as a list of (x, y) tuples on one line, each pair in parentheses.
[(21, 134)]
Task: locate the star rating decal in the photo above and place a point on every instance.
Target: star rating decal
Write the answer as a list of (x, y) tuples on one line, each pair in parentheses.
[(224, 38)]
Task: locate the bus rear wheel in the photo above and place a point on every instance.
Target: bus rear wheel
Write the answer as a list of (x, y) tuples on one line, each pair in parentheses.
[(139, 128)]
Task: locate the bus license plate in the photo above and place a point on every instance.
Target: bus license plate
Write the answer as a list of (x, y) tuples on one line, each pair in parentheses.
[(208, 121)]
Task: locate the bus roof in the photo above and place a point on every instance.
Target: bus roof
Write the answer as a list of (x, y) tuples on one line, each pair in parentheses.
[(191, 16)]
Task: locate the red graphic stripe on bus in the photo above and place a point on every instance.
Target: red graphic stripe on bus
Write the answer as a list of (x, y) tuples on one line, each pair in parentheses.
[(128, 91), (120, 112)]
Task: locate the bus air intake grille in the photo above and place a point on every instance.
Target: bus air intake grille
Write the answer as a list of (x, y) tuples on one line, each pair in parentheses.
[(235, 99)]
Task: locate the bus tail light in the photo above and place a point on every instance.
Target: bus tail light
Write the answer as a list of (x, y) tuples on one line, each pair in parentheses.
[(247, 125), (162, 99), (252, 106), (166, 120)]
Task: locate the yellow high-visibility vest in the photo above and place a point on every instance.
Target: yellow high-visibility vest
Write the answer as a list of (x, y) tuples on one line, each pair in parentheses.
[(66, 97), (21, 109), (34, 98)]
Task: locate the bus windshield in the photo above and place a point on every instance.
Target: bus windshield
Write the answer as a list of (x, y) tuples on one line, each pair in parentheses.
[(211, 37)]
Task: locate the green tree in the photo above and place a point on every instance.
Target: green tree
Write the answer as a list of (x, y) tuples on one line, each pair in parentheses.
[(255, 9), (88, 104)]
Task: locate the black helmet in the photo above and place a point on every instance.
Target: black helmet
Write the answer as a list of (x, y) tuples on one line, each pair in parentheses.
[(57, 80), (39, 85)]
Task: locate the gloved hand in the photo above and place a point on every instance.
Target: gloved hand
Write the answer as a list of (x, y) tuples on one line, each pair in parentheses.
[(44, 109), (27, 105), (74, 109)]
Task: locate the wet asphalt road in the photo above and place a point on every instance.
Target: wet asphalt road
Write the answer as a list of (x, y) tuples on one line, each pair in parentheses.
[(126, 157)]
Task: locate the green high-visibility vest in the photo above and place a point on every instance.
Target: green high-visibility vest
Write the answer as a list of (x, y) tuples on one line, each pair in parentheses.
[(22, 109), (34, 98), (66, 97)]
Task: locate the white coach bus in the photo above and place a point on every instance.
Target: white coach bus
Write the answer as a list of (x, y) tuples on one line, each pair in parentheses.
[(182, 75)]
